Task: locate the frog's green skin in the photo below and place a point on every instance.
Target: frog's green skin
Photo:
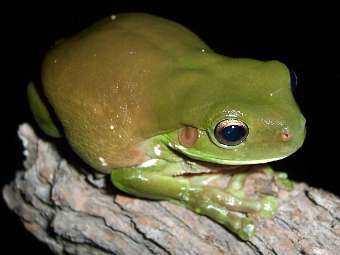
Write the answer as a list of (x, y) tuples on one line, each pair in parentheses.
[(124, 88)]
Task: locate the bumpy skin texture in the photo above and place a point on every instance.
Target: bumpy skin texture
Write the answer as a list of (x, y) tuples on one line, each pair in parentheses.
[(139, 97)]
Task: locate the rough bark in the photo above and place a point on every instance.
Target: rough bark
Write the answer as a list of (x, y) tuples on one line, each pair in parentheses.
[(74, 213)]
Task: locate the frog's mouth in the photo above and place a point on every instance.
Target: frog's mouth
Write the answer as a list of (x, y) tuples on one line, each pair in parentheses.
[(203, 167), (195, 166), (230, 162)]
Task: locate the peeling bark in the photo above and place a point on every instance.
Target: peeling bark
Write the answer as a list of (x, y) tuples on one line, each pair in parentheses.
[(74, 213)]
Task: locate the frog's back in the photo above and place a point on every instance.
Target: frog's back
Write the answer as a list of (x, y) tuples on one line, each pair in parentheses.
[(99, 83)]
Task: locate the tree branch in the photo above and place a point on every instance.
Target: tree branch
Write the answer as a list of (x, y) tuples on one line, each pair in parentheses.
[(74, 213)]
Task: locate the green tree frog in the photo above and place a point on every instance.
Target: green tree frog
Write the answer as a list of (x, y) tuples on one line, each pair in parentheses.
[(144, 99)]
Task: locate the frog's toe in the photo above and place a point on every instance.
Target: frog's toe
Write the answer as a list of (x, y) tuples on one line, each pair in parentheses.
[(269, 206), (247, 229), (280, 178), (284, 183)]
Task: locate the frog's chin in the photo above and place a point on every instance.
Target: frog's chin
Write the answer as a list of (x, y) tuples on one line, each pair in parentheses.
[(245, 162), (232, 162)]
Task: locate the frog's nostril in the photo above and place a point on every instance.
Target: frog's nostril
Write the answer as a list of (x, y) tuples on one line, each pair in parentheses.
[(286, 135)]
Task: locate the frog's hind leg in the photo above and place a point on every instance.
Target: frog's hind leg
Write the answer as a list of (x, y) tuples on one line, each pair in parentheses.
[(158, 179), (40, 112)]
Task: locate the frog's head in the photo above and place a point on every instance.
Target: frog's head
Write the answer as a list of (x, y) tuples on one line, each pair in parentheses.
[(248, 116)]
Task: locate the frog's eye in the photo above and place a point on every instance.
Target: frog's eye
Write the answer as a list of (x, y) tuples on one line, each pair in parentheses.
[(231, 132), (293, 80)]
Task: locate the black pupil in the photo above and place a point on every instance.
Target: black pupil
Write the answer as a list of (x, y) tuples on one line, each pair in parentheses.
[(233, 133)]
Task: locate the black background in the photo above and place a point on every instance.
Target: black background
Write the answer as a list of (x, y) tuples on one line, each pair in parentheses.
[(302, 36)]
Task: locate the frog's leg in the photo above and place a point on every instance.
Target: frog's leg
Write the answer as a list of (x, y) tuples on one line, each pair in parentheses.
[(161, 179), (40, 112)]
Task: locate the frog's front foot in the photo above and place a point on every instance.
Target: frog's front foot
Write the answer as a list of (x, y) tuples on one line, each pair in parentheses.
[(236, 187), (228, 206), (220, 205), (242, 226)]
